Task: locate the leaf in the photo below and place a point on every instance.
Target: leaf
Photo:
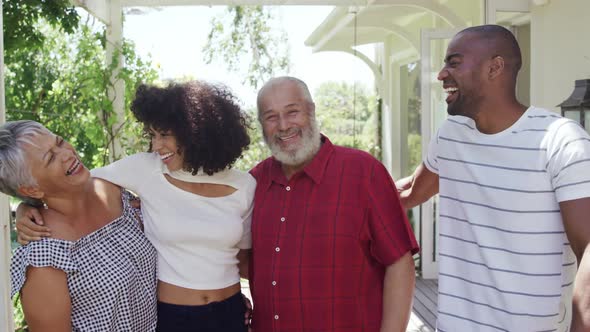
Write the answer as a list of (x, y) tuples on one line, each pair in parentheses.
[(250, 45), (63, 83)]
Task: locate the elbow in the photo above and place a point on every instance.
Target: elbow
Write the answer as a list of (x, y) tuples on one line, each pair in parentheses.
[(581, 309), (581, 317)]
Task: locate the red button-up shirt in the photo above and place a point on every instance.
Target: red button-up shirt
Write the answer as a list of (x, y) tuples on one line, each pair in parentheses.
[(321, 242)]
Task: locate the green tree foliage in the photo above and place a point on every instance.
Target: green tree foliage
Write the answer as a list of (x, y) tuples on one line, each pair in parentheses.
[(257, 151), (19, 316), (414, 136), (56, 74), (347, 114), (415, 151), (18, 16), (248, 35), (63, 82), (413, 105)]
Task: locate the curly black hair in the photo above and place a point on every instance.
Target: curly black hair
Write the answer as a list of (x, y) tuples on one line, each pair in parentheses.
[(210, 127)]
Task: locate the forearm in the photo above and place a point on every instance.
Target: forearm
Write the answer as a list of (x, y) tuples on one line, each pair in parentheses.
[(424, 184), (244, 263), (575, 220), (581, 296), (398, 291)]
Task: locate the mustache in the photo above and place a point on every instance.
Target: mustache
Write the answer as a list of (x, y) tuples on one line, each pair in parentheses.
[(286, 133)]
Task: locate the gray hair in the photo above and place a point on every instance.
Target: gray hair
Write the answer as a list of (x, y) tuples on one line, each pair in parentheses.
[(14, 170), (277, 80)]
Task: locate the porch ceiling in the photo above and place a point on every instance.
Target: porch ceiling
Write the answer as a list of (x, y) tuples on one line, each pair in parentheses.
[(161, 3), (400, 19), (101, 9), (373, 24)]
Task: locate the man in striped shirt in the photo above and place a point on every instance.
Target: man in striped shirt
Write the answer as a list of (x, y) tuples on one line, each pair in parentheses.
[(514, 189)]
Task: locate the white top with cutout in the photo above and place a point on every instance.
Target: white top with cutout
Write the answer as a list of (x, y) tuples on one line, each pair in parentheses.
[(197, 238)]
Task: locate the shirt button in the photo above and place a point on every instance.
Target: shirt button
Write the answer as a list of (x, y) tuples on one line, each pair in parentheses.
[(276, 316), (288, 188), (277, 249), (274, 283), (282, 218)]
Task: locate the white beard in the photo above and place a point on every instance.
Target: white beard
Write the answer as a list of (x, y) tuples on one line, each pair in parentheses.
[(310, 145)]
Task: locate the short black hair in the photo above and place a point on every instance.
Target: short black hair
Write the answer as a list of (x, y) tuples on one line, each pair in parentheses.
[(501, 42), (209, 125)]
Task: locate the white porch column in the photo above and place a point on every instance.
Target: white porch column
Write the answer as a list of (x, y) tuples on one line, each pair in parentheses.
[(399, 124), (116, 91), (6, 323), (394, 118), (387, 134)]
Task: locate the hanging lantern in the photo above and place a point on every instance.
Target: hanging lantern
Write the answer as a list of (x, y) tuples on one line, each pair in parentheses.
[(577, 106)]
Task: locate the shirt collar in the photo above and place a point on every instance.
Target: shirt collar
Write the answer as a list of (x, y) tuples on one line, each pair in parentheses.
[(315, 169)]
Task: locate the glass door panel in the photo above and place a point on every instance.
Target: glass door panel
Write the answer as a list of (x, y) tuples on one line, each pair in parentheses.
[(434, 112)]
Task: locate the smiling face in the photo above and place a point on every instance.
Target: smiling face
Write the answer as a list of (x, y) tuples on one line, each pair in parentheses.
[(288, 123), (463, 75), (164, 144), (54, 164)]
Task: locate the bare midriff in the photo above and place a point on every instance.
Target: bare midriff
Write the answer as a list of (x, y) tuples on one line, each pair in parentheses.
[(172, 294)]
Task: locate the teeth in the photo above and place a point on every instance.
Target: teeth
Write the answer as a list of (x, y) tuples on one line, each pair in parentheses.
[(451, 90), (287, 137), (73, 168), (167, 155)]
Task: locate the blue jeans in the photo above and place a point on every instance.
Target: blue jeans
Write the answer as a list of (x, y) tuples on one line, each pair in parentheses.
[(224, 316)]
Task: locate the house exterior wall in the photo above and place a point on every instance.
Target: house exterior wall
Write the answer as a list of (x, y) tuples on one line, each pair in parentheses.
[(560, 46), (523, 84)]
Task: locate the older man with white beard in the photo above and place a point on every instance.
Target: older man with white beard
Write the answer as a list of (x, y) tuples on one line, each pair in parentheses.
[(332, 248)]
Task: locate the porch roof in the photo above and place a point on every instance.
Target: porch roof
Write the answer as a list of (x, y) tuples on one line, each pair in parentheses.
[(402, 20)]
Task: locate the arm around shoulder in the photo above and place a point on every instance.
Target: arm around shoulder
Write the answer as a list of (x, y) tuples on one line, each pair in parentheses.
[(130, 172), (29, 224)]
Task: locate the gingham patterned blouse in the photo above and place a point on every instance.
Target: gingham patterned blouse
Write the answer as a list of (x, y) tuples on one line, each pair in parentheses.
[(111, 274)]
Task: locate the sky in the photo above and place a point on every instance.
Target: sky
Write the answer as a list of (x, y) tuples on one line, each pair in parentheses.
[(174, 36)]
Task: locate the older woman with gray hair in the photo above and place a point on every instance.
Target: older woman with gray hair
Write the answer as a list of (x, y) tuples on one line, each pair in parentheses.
[(98, 271)]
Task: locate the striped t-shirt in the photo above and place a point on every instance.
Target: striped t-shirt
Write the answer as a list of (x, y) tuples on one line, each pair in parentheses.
[(505, 263)]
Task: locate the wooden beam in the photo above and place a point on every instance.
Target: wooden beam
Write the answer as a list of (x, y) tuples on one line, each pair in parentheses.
[(116, 89), (97, 8), (398, 30), (372, 65), (162, 3), (341, 18), (329, 31)]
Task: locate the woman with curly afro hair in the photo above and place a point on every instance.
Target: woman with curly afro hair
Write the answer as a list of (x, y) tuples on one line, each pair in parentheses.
[(196, 209), (208, 124)]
